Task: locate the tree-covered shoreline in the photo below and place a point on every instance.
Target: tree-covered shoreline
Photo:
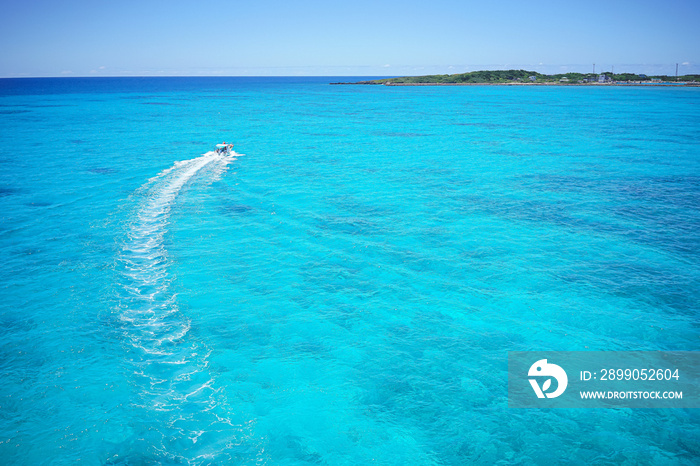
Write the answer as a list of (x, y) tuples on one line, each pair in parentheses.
[(533, 77)]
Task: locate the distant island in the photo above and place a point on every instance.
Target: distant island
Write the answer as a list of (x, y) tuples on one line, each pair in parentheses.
[(515, 77)]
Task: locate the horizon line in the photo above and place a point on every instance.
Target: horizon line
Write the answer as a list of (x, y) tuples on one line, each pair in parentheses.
[(323, 75), (375, 70)]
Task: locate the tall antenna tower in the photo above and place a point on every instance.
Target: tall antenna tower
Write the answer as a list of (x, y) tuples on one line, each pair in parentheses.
[(593, 68), (676, 71)]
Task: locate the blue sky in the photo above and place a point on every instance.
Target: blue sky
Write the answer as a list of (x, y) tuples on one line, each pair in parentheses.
[(344, 38)]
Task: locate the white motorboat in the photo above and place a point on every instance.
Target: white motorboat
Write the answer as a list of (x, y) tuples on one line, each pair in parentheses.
[(224, 149)]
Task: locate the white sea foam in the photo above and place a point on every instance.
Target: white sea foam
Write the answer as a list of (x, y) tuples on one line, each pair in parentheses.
[(170, 365)]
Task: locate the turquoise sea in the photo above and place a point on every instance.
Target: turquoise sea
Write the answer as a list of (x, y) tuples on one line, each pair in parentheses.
[(346, 292)]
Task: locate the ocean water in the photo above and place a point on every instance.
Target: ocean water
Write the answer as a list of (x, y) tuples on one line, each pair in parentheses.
[(347, 291)]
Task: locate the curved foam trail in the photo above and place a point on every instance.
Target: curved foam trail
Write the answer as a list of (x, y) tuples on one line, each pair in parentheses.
[(181, 415)]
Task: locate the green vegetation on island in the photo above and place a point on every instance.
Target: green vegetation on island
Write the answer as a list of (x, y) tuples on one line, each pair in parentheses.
[(523, 76)]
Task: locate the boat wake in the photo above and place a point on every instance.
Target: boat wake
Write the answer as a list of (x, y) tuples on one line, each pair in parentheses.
[(179, 414)]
